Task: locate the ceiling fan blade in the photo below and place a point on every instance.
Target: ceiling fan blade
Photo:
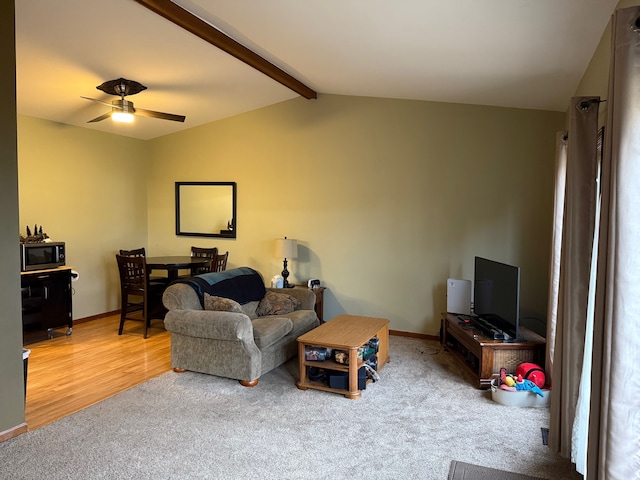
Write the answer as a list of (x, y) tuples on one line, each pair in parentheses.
[(161, 115), (100, 118), (100, 101), (127, 106)]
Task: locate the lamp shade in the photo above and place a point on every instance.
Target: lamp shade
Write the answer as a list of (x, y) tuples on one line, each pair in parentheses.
[(286, 248)]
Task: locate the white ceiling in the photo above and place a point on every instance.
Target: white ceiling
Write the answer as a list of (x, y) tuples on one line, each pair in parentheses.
[(511, 53)]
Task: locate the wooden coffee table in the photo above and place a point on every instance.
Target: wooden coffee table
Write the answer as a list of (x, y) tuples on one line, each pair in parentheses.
[(344, 332)]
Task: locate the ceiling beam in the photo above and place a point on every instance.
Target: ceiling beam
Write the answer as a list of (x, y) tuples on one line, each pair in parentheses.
[(202, 29)]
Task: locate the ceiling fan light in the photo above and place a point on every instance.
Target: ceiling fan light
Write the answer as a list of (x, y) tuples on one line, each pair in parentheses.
[(122, 117)]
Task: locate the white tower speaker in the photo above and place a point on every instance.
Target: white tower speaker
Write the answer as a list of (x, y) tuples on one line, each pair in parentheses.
[(459, 296)]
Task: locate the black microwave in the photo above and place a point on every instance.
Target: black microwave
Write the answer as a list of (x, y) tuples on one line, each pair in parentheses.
[(40, 256)]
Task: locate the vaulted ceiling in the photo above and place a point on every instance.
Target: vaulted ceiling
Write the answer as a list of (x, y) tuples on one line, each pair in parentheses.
[(511, 53)]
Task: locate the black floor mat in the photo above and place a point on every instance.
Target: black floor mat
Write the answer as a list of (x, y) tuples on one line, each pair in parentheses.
[(545, 435)]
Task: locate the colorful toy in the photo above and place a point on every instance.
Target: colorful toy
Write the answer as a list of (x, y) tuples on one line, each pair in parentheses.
[(508, 380), (511, 384), (533, 372), (528, 385)]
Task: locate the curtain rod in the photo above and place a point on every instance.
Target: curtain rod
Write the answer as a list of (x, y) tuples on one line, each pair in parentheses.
[(585, 104)]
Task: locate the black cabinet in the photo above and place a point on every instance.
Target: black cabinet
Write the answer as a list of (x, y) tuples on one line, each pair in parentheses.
[(46, 303)]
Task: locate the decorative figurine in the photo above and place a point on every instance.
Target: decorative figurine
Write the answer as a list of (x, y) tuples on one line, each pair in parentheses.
[(37, 236)]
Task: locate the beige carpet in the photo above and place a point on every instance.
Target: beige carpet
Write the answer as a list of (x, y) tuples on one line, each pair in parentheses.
[(411, 424), (467, 471)]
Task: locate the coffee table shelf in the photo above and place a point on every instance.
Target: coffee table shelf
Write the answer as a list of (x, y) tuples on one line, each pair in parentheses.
[(344, 332)]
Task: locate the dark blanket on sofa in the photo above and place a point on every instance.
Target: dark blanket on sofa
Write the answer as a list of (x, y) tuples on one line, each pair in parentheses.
[(242, 284)]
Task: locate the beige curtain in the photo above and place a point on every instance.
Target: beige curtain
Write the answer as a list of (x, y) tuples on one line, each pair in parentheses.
[(613, 450), (556, 244), (568, 332)]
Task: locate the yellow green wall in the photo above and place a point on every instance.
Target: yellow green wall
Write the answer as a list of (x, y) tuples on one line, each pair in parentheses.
[(88, 189), (387, 198)]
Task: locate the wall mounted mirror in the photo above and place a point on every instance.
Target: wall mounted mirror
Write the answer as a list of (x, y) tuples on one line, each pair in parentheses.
[(206, 209)]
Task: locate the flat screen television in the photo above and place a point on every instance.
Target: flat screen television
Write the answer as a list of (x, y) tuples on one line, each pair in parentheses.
[(496, 295)]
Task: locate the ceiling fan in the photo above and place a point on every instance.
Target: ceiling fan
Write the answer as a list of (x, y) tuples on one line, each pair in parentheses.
[(123, 110)]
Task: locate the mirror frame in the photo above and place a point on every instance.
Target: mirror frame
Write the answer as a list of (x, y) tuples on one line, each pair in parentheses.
[(231, 234)]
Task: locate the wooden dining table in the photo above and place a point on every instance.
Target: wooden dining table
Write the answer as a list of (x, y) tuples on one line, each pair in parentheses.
[(172, 264)]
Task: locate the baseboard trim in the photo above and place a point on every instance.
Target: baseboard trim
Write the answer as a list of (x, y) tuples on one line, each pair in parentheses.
[(13, 432), (422, 336)]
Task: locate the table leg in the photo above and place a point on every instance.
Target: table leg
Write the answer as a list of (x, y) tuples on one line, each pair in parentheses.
[(354, 392), (303, 369), (383, 347), (172, 273)]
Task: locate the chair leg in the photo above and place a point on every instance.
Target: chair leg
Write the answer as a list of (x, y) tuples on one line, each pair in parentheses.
[(249, 383), (123, 312), (145, 315), (121, 323)]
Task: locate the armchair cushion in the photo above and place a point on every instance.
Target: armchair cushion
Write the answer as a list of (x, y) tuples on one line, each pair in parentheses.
[(276, 304), (268, 330), (221, 304)]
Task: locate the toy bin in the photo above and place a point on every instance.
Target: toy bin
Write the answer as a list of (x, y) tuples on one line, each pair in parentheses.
[(522, 398)]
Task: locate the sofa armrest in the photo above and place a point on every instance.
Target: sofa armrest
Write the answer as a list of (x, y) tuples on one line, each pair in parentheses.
[(210, 324), (181, 296), (305, 296)]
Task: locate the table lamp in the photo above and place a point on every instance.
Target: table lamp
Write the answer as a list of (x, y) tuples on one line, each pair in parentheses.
[(286, 248)]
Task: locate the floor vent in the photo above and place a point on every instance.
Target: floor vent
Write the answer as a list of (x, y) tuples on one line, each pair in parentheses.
[(545, 436)]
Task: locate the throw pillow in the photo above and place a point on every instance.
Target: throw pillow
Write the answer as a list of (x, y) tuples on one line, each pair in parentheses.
[(221, 304), (276, 304)]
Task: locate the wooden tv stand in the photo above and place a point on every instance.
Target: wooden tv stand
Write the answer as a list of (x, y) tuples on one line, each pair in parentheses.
[(483, 357)]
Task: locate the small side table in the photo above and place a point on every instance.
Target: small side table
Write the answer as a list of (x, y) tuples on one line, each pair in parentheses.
[(319, 307)]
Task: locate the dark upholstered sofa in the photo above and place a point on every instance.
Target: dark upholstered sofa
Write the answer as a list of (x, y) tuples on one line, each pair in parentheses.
[(248, 329)]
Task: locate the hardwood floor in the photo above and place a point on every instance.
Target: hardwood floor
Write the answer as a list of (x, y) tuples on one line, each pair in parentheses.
[(69, 373)]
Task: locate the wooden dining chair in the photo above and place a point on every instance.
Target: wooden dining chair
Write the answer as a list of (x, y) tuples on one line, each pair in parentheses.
[(136, 292), (220, 262), (201, 252), (140, 252), (136, 252)]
